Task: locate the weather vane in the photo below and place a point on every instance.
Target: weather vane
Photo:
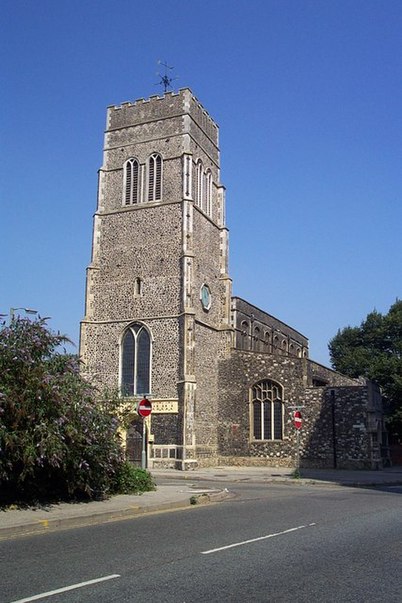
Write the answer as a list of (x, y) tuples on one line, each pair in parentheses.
[(165, 81)]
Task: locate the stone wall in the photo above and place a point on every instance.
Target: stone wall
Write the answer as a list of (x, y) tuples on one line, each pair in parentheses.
[(350, 443), (257, 330)]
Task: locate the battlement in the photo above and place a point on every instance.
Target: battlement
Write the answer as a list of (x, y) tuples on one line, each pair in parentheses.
[(169, 105)]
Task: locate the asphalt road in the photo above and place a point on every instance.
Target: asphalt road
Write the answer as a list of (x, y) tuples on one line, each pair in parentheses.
[(269, 543)]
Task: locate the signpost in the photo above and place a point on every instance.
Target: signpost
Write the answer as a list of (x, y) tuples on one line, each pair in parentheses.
[(297, 422), (297, 419), (144, 409)]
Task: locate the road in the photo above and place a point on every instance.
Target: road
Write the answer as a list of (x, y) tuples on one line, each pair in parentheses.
[(269, 543)]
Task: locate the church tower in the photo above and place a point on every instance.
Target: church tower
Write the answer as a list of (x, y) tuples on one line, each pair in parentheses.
[(157, 310)]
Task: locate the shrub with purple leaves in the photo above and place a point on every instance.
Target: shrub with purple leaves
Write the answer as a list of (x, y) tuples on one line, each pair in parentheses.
[(57, 440)]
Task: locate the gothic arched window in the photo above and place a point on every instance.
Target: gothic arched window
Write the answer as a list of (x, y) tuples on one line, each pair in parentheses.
[(208, 192), (266, 411), (131, 182), (199, 193), (135, 361), (155, 177)]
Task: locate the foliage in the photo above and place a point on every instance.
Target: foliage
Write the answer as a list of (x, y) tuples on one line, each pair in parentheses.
[(296, 474), (132, 480), (374, 350), (57, 441)]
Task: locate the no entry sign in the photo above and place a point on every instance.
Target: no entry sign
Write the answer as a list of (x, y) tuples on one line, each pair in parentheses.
[(297, 419), (144, 408)]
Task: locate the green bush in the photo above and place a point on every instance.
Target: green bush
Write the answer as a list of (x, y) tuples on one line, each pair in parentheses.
[(57, 440), (132, 480)]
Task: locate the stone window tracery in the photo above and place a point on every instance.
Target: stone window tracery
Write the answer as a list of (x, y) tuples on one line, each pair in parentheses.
[(135, 361), (267, 411)]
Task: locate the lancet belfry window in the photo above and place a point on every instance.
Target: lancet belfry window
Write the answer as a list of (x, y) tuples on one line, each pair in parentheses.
[(267, 411), (135, 361), (200, 184), (131, 181), (203, 191), (208, 192), (155, 177)]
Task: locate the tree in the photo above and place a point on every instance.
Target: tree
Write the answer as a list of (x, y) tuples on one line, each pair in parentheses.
[(374, 350), (57, 440)]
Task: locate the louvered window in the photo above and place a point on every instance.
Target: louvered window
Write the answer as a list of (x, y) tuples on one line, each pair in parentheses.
[(208, 193), (267, 411), (155, 177), (135, 361), (200, 184), (131, 182)]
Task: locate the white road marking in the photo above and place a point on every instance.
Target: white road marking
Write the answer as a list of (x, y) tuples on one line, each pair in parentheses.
[(65, 589), (230, 546), (198, 491)]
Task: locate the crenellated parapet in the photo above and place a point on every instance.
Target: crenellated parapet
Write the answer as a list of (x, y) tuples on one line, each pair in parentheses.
[(159, 108)]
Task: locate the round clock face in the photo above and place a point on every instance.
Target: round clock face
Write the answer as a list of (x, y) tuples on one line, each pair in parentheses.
[(205, 297)]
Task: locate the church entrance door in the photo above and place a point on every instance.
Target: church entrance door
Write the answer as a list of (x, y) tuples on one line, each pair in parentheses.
[(134, 443)]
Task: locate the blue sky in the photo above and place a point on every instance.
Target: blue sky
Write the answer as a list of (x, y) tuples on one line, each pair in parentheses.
[(308, 97)]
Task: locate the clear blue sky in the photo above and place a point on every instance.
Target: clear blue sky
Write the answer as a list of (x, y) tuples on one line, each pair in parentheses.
[(308, 96)]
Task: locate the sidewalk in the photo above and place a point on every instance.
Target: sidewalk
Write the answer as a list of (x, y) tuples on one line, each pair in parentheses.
[(180, 494), (341, 477)]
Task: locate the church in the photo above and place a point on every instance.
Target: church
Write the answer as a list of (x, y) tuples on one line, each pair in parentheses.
[(224, 377)]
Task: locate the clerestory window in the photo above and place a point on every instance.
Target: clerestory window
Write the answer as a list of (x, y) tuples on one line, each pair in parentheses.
[(266, 411), (135, 361)]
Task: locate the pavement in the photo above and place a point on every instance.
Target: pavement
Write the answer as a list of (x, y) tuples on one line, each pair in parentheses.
[(186, 489)]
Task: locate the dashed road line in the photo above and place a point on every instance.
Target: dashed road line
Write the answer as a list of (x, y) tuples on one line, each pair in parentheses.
[(231, 546), (66, 588)]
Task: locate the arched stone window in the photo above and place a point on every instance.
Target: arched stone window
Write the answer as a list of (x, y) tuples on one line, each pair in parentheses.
[(208, 192), (244, 327), (131, 182), (266, 411), (199, 193), (155, 177), (135, 361)]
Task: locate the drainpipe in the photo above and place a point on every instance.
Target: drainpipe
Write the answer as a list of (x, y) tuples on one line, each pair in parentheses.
[(332, 393)]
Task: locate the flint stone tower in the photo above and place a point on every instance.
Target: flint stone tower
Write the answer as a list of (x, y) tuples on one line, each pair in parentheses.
[(158, 296), (224, 376)]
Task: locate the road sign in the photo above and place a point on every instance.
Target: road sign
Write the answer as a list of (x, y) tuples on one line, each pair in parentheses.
[(144, 408), (297, 419)]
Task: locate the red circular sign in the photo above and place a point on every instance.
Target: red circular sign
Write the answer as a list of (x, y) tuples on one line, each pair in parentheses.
[(144, 408), (297, 419)]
